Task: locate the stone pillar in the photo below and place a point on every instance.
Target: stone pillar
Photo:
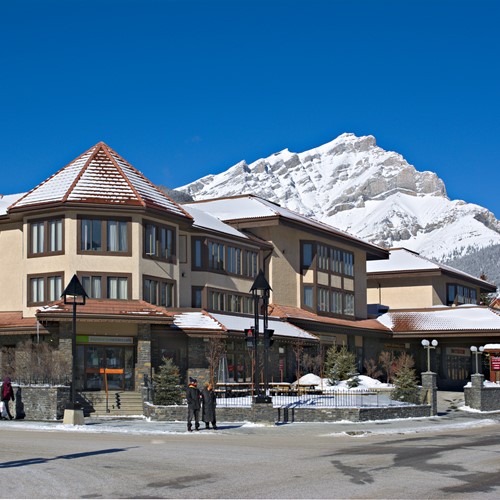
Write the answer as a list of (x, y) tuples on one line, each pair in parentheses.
[(429, 385), (143, 365), (474, 393)]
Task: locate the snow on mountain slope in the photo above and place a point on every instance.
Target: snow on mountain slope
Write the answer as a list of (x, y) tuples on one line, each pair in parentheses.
[(354, 185)]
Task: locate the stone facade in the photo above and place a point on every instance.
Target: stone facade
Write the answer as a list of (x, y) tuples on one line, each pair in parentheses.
[(482, 398), (39, 403), (265, 413)]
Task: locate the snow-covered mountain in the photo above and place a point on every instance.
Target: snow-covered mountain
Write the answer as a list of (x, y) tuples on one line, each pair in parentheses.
[(354, 185)]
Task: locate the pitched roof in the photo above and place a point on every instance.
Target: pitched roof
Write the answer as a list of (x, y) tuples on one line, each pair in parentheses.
[(15, 319), (132, 309), (451, 320), (402, 260), (99, 176), (295, 313), (253, 208)]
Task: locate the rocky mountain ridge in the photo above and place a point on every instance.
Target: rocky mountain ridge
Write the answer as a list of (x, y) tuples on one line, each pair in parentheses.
[(354, 185)]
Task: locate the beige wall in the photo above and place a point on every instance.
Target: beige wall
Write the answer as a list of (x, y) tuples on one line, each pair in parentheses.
[(11, 267), (406, 292)]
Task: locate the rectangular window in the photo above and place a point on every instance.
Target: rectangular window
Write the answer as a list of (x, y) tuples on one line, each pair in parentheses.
[(233, 260), (323, 300), (45, 237), (336, 305), (93, 286), (323, 260), (349, 304), (250, 263), (216, 256), (109, 286), (336, 256), (197, 259), (44, 288), (158, 292), (307, 254), (197, 294), (348, 264), (98, 235), (308, 296), (117, 236), (159, 241), (459, 294)]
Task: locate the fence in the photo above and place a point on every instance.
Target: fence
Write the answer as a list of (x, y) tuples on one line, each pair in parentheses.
[(317, 399)]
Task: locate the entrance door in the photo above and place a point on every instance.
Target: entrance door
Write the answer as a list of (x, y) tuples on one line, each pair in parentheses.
[(96, 358)]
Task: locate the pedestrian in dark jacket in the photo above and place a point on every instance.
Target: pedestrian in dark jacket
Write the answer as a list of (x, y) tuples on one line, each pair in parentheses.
[(193, 398), (209, 404), (7, 394)]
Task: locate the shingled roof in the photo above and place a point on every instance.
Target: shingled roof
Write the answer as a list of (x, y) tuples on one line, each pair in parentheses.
[(99, 176)]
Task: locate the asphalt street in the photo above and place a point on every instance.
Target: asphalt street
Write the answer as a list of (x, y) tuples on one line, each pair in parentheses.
[(454, 455)]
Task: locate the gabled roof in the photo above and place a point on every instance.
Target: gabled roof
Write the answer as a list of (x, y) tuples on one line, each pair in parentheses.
[(402, 260), (99, 176), (250, 208), (446, 320)]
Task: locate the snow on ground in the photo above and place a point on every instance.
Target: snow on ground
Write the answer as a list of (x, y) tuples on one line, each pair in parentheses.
[(365, 383)]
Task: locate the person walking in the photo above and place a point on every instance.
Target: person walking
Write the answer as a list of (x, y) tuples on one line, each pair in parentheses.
[(193, 398), (7, 395), (209, 403)]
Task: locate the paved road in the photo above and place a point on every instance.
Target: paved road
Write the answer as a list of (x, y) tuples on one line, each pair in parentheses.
[(454, 456)]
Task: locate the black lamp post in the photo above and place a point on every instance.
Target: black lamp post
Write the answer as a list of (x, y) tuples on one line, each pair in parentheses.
[(261, 285), (74, 294)]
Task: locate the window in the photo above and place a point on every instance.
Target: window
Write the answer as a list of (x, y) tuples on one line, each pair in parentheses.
[(159, 241), (197, 255), (44, 288), (459, 294), (216, 301), (328, 290), (233, 260), (349, 304), (251, 264), (307, 254), (117, 288), (98, 235), (308, 296), (197, 294), (220, 300), (93, 286), (45, 237), (158, 291), (216, 256), (109, 285)]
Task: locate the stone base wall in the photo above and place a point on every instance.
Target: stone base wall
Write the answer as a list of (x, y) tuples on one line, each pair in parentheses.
[(265, 413), (39, 403), (483, 399)]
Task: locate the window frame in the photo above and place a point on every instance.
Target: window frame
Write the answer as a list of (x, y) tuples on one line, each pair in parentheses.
[(44, 278), (104, 283), (159, 282), (104, 221), (45, 223), (159, 228)]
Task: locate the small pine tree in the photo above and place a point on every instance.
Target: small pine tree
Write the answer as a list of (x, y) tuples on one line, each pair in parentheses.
[(167, 389), (405, 381), (341, 365)]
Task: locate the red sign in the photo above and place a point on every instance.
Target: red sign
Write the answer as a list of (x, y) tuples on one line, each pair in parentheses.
[(495, 362)]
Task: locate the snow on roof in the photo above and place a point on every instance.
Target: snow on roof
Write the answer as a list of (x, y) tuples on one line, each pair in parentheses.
[(446, 319), (206, 220), (402, 259), (281, 328), (100, 175), (252, 207), (227, 322), (7, 200)]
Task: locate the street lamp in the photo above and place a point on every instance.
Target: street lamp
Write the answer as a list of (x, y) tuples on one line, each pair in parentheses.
[(429, 345), (477, 352), (74, 294), (261, 285)]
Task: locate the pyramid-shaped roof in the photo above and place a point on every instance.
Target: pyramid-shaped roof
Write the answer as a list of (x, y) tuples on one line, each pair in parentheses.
[(99, 176)]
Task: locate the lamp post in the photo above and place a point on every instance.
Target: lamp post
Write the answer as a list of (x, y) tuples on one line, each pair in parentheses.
[(477, 351), (261, 285), (74, 294), (429, 345)]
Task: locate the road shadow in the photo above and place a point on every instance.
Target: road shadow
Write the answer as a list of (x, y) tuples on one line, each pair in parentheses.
[(71, 456)]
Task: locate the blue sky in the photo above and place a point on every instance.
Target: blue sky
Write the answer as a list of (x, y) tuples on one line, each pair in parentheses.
[(183, 89)]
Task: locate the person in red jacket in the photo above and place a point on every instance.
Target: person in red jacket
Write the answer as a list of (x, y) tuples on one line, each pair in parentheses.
[(7, 394)]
